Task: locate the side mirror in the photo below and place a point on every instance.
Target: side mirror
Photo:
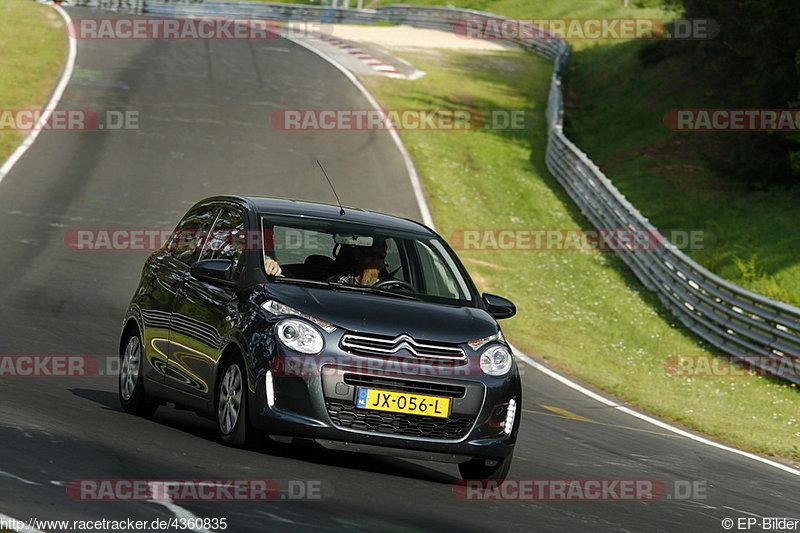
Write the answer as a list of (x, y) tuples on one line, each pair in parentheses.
[(498, 306), (217, 271)]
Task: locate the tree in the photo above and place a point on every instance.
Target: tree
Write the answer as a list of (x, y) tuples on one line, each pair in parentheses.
[(754, 63)]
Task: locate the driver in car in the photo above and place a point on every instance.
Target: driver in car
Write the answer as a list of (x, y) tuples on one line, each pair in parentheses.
[(368, 265)]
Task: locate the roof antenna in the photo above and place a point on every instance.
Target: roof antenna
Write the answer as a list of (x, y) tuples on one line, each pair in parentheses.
[(341, 209)]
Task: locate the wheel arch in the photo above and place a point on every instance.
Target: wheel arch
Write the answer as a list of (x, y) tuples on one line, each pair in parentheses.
[(231, 350), (132, 323)]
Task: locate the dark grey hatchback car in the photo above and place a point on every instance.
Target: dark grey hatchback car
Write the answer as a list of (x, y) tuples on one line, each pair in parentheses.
[(358, 330)]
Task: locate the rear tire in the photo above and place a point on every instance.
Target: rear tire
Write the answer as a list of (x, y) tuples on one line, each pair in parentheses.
[(496, 469), (132, 396)]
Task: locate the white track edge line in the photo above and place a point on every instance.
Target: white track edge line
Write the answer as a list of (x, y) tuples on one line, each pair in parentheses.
[(174, 508), (66, 74), (416, 185), (663, 425)]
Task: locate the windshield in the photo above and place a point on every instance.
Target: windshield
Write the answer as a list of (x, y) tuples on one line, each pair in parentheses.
[(344, 255)]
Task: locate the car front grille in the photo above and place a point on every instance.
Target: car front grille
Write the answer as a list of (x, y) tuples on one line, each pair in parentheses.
[(347, 415), (405, 385), (370, 344)]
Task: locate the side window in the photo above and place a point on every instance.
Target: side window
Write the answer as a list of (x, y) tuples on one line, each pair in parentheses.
[(294, 245), (227, 238), (189, 235), (394, 263), (438, 279)]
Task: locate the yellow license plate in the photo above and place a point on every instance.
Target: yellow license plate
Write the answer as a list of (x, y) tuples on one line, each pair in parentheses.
[(403, 402)]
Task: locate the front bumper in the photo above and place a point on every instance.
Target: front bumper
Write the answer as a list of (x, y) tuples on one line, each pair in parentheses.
[(319, 403)]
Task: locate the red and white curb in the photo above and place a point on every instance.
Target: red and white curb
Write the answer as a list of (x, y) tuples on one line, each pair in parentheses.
[(374, 64)]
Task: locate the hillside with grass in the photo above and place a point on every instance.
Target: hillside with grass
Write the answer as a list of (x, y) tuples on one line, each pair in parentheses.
[(617, 93)]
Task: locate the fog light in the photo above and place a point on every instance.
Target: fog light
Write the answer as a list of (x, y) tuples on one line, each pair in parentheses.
[(271, 390), (510, 414)]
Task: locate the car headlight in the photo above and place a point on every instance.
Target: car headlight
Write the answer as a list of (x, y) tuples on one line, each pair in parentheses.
[(277, 308), (300, 336), (496, 360)]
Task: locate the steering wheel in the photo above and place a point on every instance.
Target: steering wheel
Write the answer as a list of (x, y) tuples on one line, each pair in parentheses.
[(392, 282)]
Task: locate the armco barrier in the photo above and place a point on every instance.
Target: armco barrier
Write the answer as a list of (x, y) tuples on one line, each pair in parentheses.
[(271, 11), (122, 6), (738, 322)]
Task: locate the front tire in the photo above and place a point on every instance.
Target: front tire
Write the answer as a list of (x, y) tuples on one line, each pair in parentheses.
[(232, 425), (132, 396), (486, 469)]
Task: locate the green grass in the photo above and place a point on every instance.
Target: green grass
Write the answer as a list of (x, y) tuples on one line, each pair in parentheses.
[(582, 311), (537, 9), (615, 115), (615, 108), (32, 51)]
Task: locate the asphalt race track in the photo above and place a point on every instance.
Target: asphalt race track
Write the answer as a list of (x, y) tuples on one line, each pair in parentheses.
[(204, 129)]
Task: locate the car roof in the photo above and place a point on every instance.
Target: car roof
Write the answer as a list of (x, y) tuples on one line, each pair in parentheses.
[(264, 205)]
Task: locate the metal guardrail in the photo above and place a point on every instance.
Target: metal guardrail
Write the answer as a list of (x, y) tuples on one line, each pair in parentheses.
[(735, 320), (271, 11), (121, 6), (244, 10)]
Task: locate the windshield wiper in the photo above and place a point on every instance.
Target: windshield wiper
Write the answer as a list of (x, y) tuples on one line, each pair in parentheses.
[(301, 281), (337, 285)]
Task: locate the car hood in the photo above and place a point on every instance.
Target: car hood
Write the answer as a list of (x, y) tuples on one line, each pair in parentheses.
[(387, 315)]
